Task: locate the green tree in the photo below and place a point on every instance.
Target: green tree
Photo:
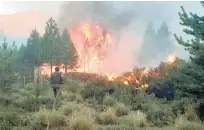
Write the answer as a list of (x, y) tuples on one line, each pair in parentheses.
[(69, 53), (191, 76), (148, 48), (164, 42), (50, 42), (6, 71), (31, 55)]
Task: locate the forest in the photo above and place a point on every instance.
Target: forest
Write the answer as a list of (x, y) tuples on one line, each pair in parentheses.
[(91, 101)]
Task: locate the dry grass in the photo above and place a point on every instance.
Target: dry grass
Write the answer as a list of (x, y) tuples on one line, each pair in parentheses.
[(136, 119), (190, 113), (109, 101), (82, 120), (51, 118), (68, 108), (68, 96), (79, 98), (183, 124), (121, 110), (107, 117)]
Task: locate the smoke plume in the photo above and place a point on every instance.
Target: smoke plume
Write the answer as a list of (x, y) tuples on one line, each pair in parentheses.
[(116, 17)]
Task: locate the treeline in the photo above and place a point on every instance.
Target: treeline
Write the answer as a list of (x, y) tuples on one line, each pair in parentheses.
[(157, 45), (52, 47), (186, 78)]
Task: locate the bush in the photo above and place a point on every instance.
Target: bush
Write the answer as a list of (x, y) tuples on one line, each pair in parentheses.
[(82, 120), (9, 120), (51, 118), (116, 127), (92, 90), (107, 117), (178, 106), (125, 94), (71, 85), (31, 103), (135, 120), (121, 110), (109, 101), (160, 115), (70, 107), (190, 113), (79, 98), (68, 96), (183, 124)]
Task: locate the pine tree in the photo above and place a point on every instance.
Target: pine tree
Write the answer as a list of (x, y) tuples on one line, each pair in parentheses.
[(50, 41), (164, 41), (191, 76), (67, 51), (148, 48)]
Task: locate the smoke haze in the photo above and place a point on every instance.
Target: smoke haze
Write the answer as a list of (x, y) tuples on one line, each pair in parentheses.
[(125, 20)]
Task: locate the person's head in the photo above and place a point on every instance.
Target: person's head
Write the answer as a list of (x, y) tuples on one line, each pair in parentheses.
[(56, 69)]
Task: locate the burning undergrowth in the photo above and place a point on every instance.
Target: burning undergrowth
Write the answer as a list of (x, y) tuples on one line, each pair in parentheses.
[(95, 47)]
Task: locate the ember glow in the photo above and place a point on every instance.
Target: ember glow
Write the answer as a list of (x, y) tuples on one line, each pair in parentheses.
[(171, 58)]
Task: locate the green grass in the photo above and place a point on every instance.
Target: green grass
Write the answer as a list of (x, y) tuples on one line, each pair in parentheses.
[(80, 108)]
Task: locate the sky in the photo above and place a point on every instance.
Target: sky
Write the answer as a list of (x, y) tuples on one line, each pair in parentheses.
[(17, 19)]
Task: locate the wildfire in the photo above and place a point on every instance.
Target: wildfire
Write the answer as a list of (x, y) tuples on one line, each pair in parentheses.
[(171, 58), (91, 42), (112, 77), (126, 82)]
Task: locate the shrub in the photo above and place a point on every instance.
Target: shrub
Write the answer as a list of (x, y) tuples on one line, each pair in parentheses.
[(82, 120), (121, 109), (178, 106), (183, 124), (71, 85), (9, 120), (107, 117), (70, 107), (109, 101), (117, 127), (160, 115), (31, 103), (125, 94), (136, 119), (51, 118), (91, 90), (190, 113), (79, 98), (68, 96)]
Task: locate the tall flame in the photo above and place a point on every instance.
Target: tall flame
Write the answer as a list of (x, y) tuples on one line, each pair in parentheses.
[(171, 58), (91, 42)]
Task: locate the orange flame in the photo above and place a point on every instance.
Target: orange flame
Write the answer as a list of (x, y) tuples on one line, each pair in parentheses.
[(171, 58), (91, 42)]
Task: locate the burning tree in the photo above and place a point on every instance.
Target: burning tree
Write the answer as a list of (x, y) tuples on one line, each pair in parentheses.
[(91, 42)]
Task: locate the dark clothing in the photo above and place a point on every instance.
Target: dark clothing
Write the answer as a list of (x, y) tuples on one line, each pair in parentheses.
[(56, 88), (56, 81), (56, 78)]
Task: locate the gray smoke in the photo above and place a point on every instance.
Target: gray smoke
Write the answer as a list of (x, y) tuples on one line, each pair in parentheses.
[(105, 13), (126, 20)]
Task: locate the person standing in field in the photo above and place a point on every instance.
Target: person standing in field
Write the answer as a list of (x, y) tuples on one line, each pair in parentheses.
[(56, 81)]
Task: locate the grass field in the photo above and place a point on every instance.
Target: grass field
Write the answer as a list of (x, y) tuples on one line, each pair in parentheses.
[(89, 107)]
